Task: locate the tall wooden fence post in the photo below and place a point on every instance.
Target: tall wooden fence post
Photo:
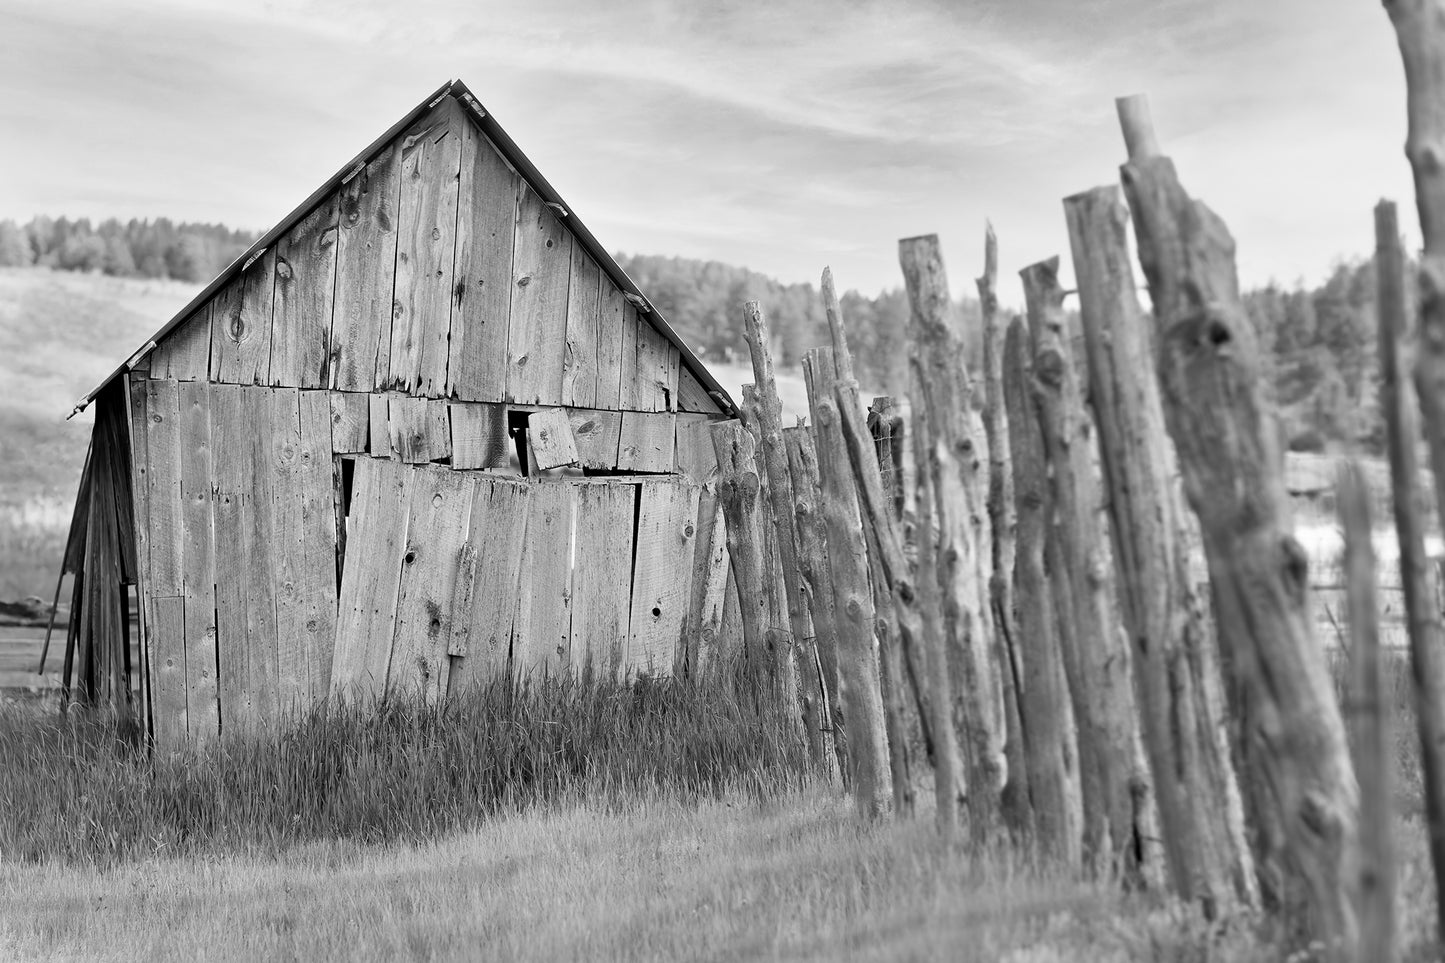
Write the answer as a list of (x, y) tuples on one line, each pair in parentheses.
[(942, 375), (1096, 656), (1302, 785), (780, 504), (852, 596), (1422, 607), (1048, 718), (1201, 838)]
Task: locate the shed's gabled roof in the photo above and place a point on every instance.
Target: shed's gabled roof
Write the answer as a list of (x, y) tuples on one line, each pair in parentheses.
[(529, 173)]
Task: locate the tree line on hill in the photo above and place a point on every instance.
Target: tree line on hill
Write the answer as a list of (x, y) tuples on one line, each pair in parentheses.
[(1320, 341), (158, 248)]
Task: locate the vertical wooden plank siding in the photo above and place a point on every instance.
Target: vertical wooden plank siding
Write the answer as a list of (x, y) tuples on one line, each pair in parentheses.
[(350, 422), (379, 416), (609, 344), (696, 458), (198, 563), (711, 582), (365, 274), (441, 507), (482, 624), (431, 155), (596, 434), (549, 439), (647, 442), (376, 534), (661, 587), (420, 430), (537, 329), (542, 629), (601, 576), (136, 389), (655, 389), (288, 551), (318, 520), (579, 362), (674, 376), (305, 282), (628, 392), (163, 457), (266, 444), (241, 324), (691, 395), (168, 628), (482, 297), (185, 354), (479, 435)]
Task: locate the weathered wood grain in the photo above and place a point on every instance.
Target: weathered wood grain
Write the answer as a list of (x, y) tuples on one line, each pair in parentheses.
[(419, 427), (288, 551), (482, 299), (709, 585), (431, 153), (549, 437), (610, 344), (661, 584), (537, 329), (305, 283), (376, 537), (441, 509), (541, 638), (691, 395), (366, 274), (185, 354), (647, 442), (318, 480), (350, 422), (628, 391), (479, 435), (481, 639), (241, 324), (695, 458), (596, 434), (601, 576), (203, 717), (654, 389), (379, 426), (579, 363), (163, 457), (168, 635)]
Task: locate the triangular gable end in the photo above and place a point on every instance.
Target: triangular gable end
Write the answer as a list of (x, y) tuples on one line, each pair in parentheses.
[(442, 264)]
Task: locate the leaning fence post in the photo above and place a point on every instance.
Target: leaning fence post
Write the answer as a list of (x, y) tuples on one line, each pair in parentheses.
[(1422, 607), (1302, 785)]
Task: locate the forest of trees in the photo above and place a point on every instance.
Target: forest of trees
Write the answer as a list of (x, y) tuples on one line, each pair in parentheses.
[(153, 249), (1320, 341)]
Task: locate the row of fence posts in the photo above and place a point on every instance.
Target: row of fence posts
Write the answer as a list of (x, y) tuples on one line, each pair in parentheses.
[(939, 574)]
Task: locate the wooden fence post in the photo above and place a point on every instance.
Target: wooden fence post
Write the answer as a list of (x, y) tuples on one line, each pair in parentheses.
[(1422, 607), (1368, 709), (1096, 656), (1199, 811), (1301, 782), (780, 504), (942, 376), (852, 597), (1048, 718)]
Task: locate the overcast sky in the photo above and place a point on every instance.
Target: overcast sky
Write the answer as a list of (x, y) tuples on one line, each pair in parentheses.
[(782, 135)]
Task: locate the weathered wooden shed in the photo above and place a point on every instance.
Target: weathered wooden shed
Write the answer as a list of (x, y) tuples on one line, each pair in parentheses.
[(425, 430)]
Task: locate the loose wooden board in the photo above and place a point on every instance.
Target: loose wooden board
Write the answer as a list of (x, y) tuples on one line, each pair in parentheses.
[(479, 435), (482, 300), (168, 638), (691, 395), (420, 429), (710, 583), (579, 362), (288, 551), (241, 324), (350, 422), (379, 417), (647, 442), (305, 283), (441, 508), (537, 328), (596, 434), (662, 573), (485, 609), (431, 153), (366, 274), (319, 481), (185, 354), (601, 576), (376, 535), (198, 550), (610, 345), (549, 435), (542, 628)]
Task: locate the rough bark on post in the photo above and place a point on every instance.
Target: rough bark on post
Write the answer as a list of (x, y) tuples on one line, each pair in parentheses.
[(1368, 708), (1048, 719), (738, 488), (885, 423), (780, 504), (1302, 785), (890, 676), (944, 384), (817, 580), (1199, 812), (1422, 608), (852, 598), (947, 768), (1095, 654), (1000, 506)]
